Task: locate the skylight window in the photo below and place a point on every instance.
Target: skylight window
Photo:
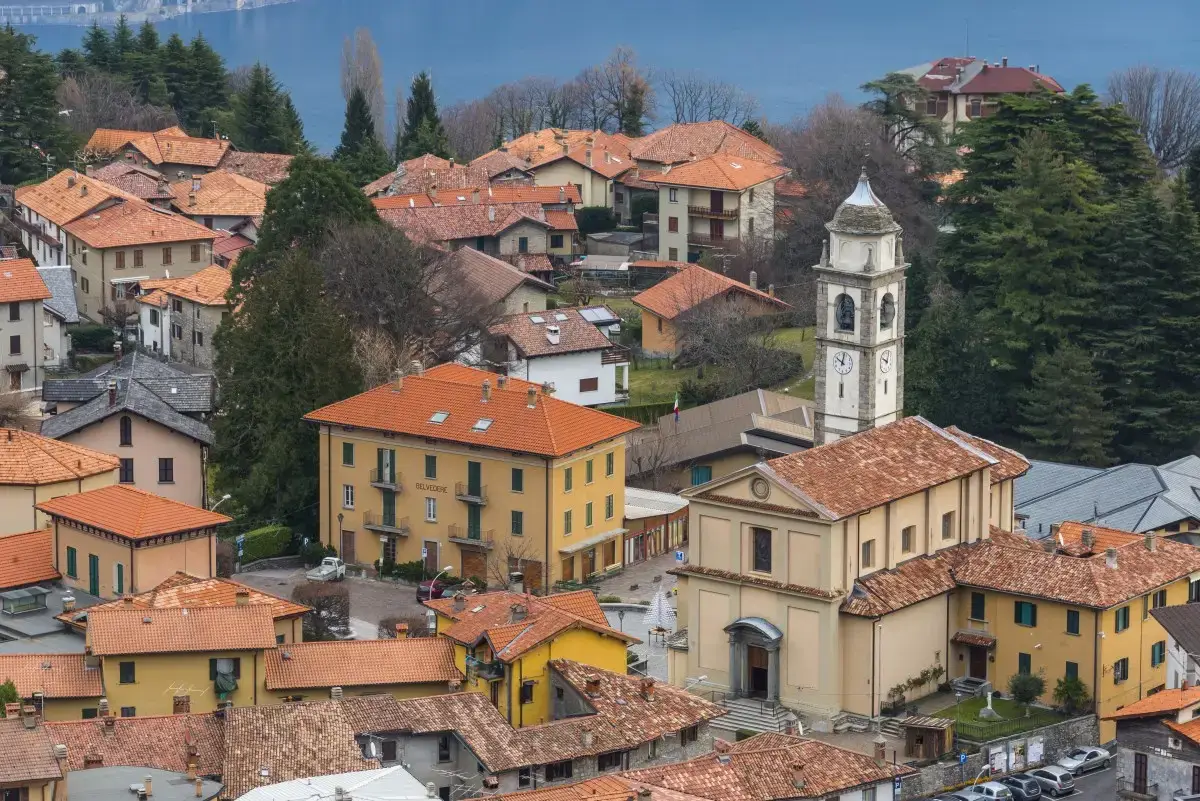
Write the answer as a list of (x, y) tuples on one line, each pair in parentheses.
[(437, 418), (537, 320), (560, 317), (482, 424)]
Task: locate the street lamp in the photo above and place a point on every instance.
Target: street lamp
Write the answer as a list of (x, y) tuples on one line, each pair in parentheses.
[(445, 570), (224, 498)]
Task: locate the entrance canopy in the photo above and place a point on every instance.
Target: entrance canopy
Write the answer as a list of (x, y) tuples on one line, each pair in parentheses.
[(758, 625)]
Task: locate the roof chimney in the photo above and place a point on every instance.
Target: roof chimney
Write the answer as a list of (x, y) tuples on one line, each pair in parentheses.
[(417, 367), (401, 631), (399, 379), (191, 771), (68, 602), (487, 390), (501, 381), (148, 784), (647, 688), (241, 597), (103, 707), (92, 760), (191, 198), (1088, 537), (518, 613), (71, 181), (586, 736), (562, 194), (1151, 541), (112, 393), (460, 602), (880, 749), (110, 724), (1004, 61), (335, 693), (199, 787), (83, 190), (721, 746), (552, 334), (127, 602), (587, 156), (1110, 558), (753, 279), (798, 776), (431, 790), (12, 710), (491, 213), (29, 716), (1048, 544), (531, 401)]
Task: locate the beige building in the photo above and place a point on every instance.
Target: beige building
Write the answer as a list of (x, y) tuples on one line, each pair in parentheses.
[(180, 316), (34, 469), (24, 323), (590, 160), (963, 89), (43, 211)]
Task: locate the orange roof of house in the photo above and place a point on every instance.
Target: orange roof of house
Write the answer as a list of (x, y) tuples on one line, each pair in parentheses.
[(362, 663), (155, 297), (107, 140), (601, 788), (1190, 730), (551, 427), (1071, 534), (207, 287), (265, 168), (674, 265), (26, 755), (136, 222), (447, 223), (164, 742), (130, 512), (31, 459), (603, 153), (174, 630), (1010, 464), (691, 286), (688, 141), (724, 172), (53, 675), (20, 280), (414, 200), (26, 558), (68, 195), (561, 220), (1160, 703), (220, 194), (167, 147)]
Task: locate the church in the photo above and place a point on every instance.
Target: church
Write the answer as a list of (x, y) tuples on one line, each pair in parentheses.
[(819, 579)]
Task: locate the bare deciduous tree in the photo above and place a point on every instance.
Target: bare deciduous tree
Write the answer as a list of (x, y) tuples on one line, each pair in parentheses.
[(378, 355), (694, 97), (516, 554), (362, 69), (330, 615), (18, 410), (623, 83), (417, 627), (472, 127), (1166, 105), (653, 456), (96, 100)]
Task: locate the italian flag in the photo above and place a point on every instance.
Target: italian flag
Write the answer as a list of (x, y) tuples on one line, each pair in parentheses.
[(676, 409)]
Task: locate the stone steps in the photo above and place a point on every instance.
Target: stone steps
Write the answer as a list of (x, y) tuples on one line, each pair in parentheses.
[(750, 715)]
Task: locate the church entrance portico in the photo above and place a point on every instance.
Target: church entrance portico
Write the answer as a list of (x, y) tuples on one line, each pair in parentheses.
[(754, 644)]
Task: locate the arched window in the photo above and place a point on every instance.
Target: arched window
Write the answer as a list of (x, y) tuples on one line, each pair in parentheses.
[(843, 313), (887, 311), (126, 430)]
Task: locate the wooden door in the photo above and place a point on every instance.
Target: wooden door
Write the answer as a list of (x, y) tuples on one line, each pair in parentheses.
[(347, 553), (474, 525), (433, 564), (978, 669), (716, 229), (473, 478), (716, 200), (757, 659), (14, 382), (1139, 773)]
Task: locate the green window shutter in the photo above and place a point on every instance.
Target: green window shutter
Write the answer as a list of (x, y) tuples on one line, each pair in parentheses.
[(120, 588), (348, 453), (518, 480), (1024, 663), (1033, 615), (588, 471), (608, 464), (1017, 612), (391, 466), (379, 463), (587, 514), (212, 670), (568, 480), (71, 563), (430, 466), (1072, 671)]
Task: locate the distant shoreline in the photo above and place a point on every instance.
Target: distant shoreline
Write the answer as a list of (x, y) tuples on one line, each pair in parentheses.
[(62, 12)]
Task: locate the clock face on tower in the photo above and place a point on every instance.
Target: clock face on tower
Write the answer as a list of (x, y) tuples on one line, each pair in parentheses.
[(885, 361), (843, 362)]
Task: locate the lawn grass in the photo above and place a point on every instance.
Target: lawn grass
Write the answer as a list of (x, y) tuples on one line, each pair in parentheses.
[(1013, 718), (969, 708)]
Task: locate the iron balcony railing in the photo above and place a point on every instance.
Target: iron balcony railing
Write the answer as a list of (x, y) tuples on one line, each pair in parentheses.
[(719, 214), (387, 479), (465, 492), (465, 535), (389, 524)]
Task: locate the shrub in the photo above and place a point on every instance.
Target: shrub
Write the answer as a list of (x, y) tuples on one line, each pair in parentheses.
[(314, 552), (86, 362), (330, 615), (1072, 695), (643, 204), (413, 571), (594, 219), (1025, 688), (266, 542), (93, 338), (609, 599)]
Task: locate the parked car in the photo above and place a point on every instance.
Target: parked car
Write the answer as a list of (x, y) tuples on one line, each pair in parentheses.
[(431, 588), (330, 569), (1081, 760), (965, 794), (1024, 787), (993, 790), (1054, 780)]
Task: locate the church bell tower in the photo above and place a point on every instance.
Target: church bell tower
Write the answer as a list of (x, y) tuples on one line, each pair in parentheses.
[(860, 319)]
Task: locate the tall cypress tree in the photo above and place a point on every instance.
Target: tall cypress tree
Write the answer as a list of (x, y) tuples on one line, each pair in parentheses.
[(294, 125), (422, 111), (1192, 177), (97, 48), (147, 39), (359, 153), (1063, 413), (258, 121)]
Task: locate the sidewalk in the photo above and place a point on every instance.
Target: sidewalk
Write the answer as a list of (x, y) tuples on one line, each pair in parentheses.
[(642, 575)]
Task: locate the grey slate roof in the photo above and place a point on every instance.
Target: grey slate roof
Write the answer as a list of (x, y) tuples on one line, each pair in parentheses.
[(183, 391), (1132, 497), (62, 293), (1182, 623), (132, 396)]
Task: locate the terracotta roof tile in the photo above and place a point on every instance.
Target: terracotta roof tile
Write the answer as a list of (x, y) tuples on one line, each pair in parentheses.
[(889, 462), (53, 675), (911, 582), (499, 194), (360, 663), (143, 182), (1190, 730), (26, 558), (219, 194), (265, 168), (155, 297), (26, 755), (412, 200), (532, 339), (690, 287), (1003, 80), (688, 141), (979, 638), (166, 742), (109, 140), (20, 280), (229, 245), (1160, 703), (674, 265), (428, 173), (1010, 463), (551, 428), (68, 196), (121, 509), (490, 278), (582, 603), (206, 287), (449, 223), (731, 174), (115, 631), (499, 162), (601, 152), (165, 148), (27, 458), (136, 222), (601, 788), (561, 220), (742, 578)]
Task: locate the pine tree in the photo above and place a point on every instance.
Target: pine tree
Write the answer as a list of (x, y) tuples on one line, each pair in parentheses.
[(1192, 177), (1063, 413), (296, 143), (30, 126), (360, 154), (631, 117), (97, 48), (70, 62), (259, 121), (176, 61), (755, 129), (422, 109), (147, 40), (206, 84), (123, 45)]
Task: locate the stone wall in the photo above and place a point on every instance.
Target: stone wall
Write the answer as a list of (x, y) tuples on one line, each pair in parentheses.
[(1168, 773), (1056, 741)]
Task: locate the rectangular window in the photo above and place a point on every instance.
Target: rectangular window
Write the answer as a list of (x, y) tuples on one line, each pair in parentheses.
[(518, 479), (673, 254), (760, 541), (91, 713), (166, 471), (1194, 591), (138, 258), (568, 479), (389, 750), (348, 454), (1159, 599), (14, 344), (444, 748), (166, 253), (119, 258), (128, 672), (72, 563), (978, 606), (118, 578), (177, 305), (868, 553), (587, 515), (1025, 613), (431, 510), (1158, 653), (610, 761), (527, 692), (609, 463), (609, 503), (198, 338), (129, 711), (524, 777), (907, 536), (347, 496), (1024, 664), (673, 195), (947, 525), (1120, 670), (430, 466), (229, 667), (1072, 670), (559, 770), (673, 224), (518, 522), (176, 331), (556, 240), (588, 471), (14, 311), (589, 384), (689, 735), (701, 474), (567, 523), (1073, 621), (126, 471), (195, 253), (1122, 619), (154, 317)]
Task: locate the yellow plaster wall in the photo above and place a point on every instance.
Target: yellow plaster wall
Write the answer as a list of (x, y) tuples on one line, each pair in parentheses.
[(146, 568), (17, 513), (401, 692), (159, 677), (68, 708), (658, 335), (609, 553)]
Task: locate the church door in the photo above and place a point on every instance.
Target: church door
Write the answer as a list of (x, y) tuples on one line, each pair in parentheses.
[(756, 682)]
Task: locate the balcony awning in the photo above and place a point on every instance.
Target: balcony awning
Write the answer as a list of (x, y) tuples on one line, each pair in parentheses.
[(17, 368), (576, 547), (978, 638)]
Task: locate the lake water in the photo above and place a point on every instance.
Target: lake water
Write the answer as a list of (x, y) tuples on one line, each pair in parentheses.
[(790, 53)]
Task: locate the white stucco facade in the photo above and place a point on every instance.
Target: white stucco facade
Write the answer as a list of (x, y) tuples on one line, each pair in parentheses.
[(570, 373)]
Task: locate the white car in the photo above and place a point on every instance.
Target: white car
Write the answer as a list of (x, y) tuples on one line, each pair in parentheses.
[(992, 790), (1081, 760)]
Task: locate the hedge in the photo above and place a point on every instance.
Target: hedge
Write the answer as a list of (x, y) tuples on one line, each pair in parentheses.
[(266, 542), (644, 413), (93, 338), (86, 362)]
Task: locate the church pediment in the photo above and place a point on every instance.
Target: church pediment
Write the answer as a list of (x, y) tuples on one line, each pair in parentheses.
[(755, 488)]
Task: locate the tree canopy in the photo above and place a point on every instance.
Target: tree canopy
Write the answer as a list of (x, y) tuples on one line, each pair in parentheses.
[(359, 153), (31, 130), (422, 131)]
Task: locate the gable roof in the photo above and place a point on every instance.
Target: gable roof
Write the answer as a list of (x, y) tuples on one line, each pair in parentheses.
[(164, 742), (68, 196), (108, 140), (130, 512), (20, 281), (61, 286), (168, 147), (966, 75), (219, 194), (206, 287), (1009, 463), (264, 168), (728, 173), (493, 279), (691, 286), (53, 675), (31, 459), (1163, 702), (361, 663), (888, 463), (449, 223), (530, 333), (142, 182), (28, 558), (688, 141), (131, 396), (499, 162), (550, 427), (26, 755), (116, 631), (136, 222), (603, 153)]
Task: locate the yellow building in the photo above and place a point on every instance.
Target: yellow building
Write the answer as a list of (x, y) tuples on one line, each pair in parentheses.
[(504, 642), (588, 160), (60, 686), (37, 468), (117, 539), (403, 668), (167, 661), (464, 468)]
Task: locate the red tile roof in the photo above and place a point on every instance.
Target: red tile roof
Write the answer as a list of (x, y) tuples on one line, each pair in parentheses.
[(26, 558), (532, 339), (690, 287), (911, 582), (116, 631), (31, 459), (219, 194), (362, 663), (228, 246), (561, 220), (728, 173), (206, 287), (129, 512), (600, 152), (601, 788), (688, 141), (1010, 464), (20, 280), (143, 182), (449, 223), (1003, 80), (53, 675), (265, 168), (167, 147), (491, 194), (68, 196), (167, 742), (108, 140), (1161, 703), (551, 427), (136, 222), (26, 755)]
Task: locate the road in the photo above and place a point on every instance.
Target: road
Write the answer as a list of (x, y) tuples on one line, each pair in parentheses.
[(1098, 786)]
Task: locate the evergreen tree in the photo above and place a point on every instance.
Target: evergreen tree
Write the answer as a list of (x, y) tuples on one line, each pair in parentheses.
[(920, 138), (123, 45), (753, 128), (631, 117), (422, 111), (259, 121), (359, 153), (1063, 413), (8, 695), (296, 143), (30, 126), (206, 85), (147, 39), (176, 61), (70, 62), (1192, 177), (97, 48)]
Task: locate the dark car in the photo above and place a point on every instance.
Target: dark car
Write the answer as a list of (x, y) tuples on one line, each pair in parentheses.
[(430, 588), (1024, 787)]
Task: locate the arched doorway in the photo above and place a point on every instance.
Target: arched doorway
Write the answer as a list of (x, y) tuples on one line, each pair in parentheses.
[(754, 657)]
